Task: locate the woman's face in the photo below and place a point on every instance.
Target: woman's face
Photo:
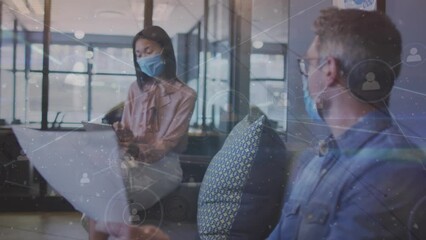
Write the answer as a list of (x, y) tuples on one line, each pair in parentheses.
[(146, 48)]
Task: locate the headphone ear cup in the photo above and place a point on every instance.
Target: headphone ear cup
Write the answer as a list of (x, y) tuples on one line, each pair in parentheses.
[(371, 81)]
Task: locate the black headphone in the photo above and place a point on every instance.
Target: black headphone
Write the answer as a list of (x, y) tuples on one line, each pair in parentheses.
[(371, 80)]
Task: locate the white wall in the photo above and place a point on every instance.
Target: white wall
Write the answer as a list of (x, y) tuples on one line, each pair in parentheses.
[(410, 107)]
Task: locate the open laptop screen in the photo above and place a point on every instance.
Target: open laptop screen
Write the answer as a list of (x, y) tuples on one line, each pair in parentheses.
[(90, 126)]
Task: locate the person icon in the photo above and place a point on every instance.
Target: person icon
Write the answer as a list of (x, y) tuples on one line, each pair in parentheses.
[(371, 84), (84, 179), (134, 217), (414, 56)]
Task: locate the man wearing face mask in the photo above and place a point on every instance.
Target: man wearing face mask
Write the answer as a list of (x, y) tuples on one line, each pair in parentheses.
[(367, 182)]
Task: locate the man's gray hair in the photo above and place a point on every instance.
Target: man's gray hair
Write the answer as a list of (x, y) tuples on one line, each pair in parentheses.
[(353, 36)]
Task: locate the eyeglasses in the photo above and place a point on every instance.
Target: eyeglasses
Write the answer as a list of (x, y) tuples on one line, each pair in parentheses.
[(303, 65)]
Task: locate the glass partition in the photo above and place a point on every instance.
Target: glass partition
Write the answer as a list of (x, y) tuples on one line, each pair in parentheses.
[(6, 74), (192, 68), (83, 55), (215, 67), (113, 60), (70, 58), (91, 65), (268, 85), (34, 98), (68, 97), (107, 92)]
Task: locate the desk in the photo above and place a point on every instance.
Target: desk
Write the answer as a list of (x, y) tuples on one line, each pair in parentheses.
[(21, 187)]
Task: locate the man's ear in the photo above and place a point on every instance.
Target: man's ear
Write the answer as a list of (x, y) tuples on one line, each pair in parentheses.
[(332, 71)]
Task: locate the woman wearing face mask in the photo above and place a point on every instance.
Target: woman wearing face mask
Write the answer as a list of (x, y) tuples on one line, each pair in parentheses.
[(155, 121)]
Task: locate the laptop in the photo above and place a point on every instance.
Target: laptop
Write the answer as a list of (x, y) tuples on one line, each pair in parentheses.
[(90, 126), (84, 167)]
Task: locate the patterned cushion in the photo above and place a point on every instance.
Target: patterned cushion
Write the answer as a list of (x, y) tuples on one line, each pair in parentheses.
[(241, 193)]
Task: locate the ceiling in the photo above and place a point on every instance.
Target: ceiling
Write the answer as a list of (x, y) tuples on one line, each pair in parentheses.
[(125, 17)]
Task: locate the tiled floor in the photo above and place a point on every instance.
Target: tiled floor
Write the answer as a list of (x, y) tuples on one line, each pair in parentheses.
[(65, 226), (41, 226)]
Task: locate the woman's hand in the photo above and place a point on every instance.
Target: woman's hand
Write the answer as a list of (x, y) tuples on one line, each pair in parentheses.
[(148, 232), (121, 231), (124, 135)]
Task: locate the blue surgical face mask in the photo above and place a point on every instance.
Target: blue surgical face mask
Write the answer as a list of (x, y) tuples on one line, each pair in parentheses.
[(152, 66), (310, 105)]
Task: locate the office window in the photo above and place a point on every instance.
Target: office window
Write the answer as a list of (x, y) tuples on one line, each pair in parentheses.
[(11, 101), (6, 52), (267, 66), (68, 95), (113, 60), (268, 85), (214, 68), (20, 49), (6, 84), (36, 62), (20, 102), (268, 88), (112, 74), (67, 58), (107, 92), (34, 98), (6, 99)]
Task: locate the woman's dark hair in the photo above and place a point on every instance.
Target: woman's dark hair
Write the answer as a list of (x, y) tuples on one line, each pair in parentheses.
[(158, 35)]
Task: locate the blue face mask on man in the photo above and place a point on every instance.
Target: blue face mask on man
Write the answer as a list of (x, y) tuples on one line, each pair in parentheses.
[(152, 66), (310, 105)]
